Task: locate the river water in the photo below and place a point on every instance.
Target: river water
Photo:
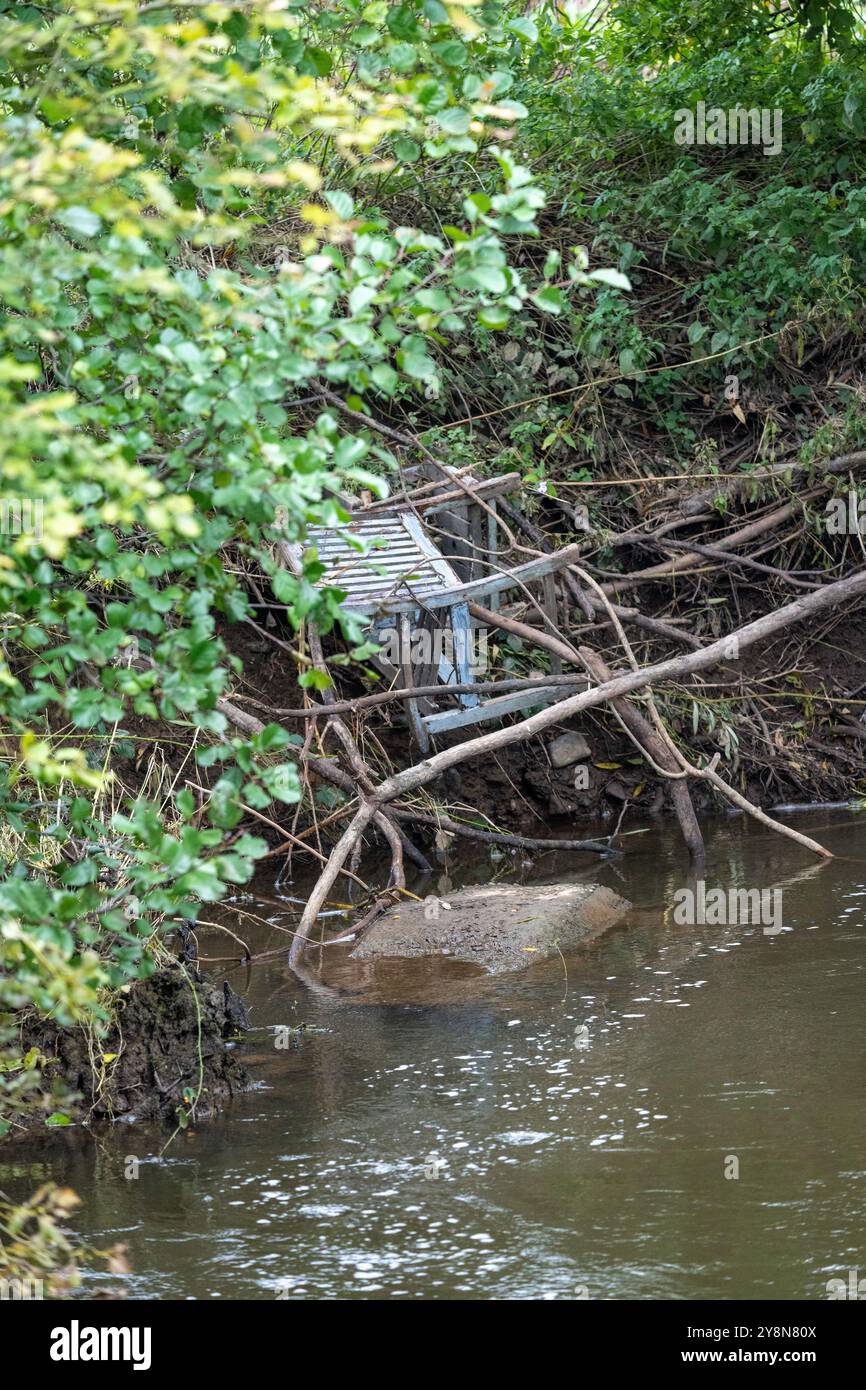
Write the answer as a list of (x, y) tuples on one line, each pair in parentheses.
[(675, 1112)]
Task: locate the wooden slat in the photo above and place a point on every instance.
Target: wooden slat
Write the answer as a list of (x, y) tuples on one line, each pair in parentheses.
[(549, 584), (493, 544), (496, 583), (427, 500), (494, 709), (407, 568), (461, 627), (436, 582)]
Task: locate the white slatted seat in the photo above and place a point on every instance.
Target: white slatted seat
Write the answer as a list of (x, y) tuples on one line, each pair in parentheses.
[(408, 580)]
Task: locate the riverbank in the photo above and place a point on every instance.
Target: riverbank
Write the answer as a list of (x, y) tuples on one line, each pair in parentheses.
[(168, 1054)]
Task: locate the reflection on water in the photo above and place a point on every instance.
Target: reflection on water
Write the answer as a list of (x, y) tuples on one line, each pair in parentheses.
[(560, 1133)]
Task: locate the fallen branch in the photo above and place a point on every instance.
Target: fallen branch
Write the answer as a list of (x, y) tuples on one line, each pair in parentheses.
[(731, 486), (588, 602), (359, 769), (496, 837), (401, 783), (715, 552), (684, 563), (710, 775), (640, 730), (386, 697), (649, 741)]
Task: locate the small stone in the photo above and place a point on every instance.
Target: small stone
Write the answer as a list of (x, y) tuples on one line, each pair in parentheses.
[(567, 749)]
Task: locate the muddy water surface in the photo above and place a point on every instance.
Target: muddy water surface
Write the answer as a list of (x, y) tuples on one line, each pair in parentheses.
[(564, 1132)]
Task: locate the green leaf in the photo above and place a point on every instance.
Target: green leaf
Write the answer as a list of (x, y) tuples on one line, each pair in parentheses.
[(283, 782), (81, 221), (385, 378), (285, 586), (549, 299), (607, 276), (418, 365), (454, 121), (526, 28), (406, 150), (341, 203), (494, 316)]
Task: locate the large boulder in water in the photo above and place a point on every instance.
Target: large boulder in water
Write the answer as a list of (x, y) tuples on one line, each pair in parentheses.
[(500, 927)]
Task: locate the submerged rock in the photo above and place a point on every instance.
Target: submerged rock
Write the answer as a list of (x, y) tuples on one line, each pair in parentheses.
[(500, 927)]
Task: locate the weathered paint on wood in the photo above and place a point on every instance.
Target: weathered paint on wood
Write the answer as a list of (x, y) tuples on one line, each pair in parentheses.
[(483, 711), (490, 584)]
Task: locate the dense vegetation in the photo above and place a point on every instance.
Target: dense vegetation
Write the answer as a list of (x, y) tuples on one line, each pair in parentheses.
[(226, 228)]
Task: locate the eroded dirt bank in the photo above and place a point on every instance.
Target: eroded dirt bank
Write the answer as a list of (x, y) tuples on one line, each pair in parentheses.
[(168, 1056)]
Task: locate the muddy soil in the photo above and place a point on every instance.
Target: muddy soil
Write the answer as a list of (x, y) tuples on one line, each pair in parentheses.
[(171, 1050)]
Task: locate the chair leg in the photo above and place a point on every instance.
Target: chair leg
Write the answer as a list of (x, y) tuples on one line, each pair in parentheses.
[(427, 672), (420, 733), (461, 628), (549, 583), (494, 600)]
